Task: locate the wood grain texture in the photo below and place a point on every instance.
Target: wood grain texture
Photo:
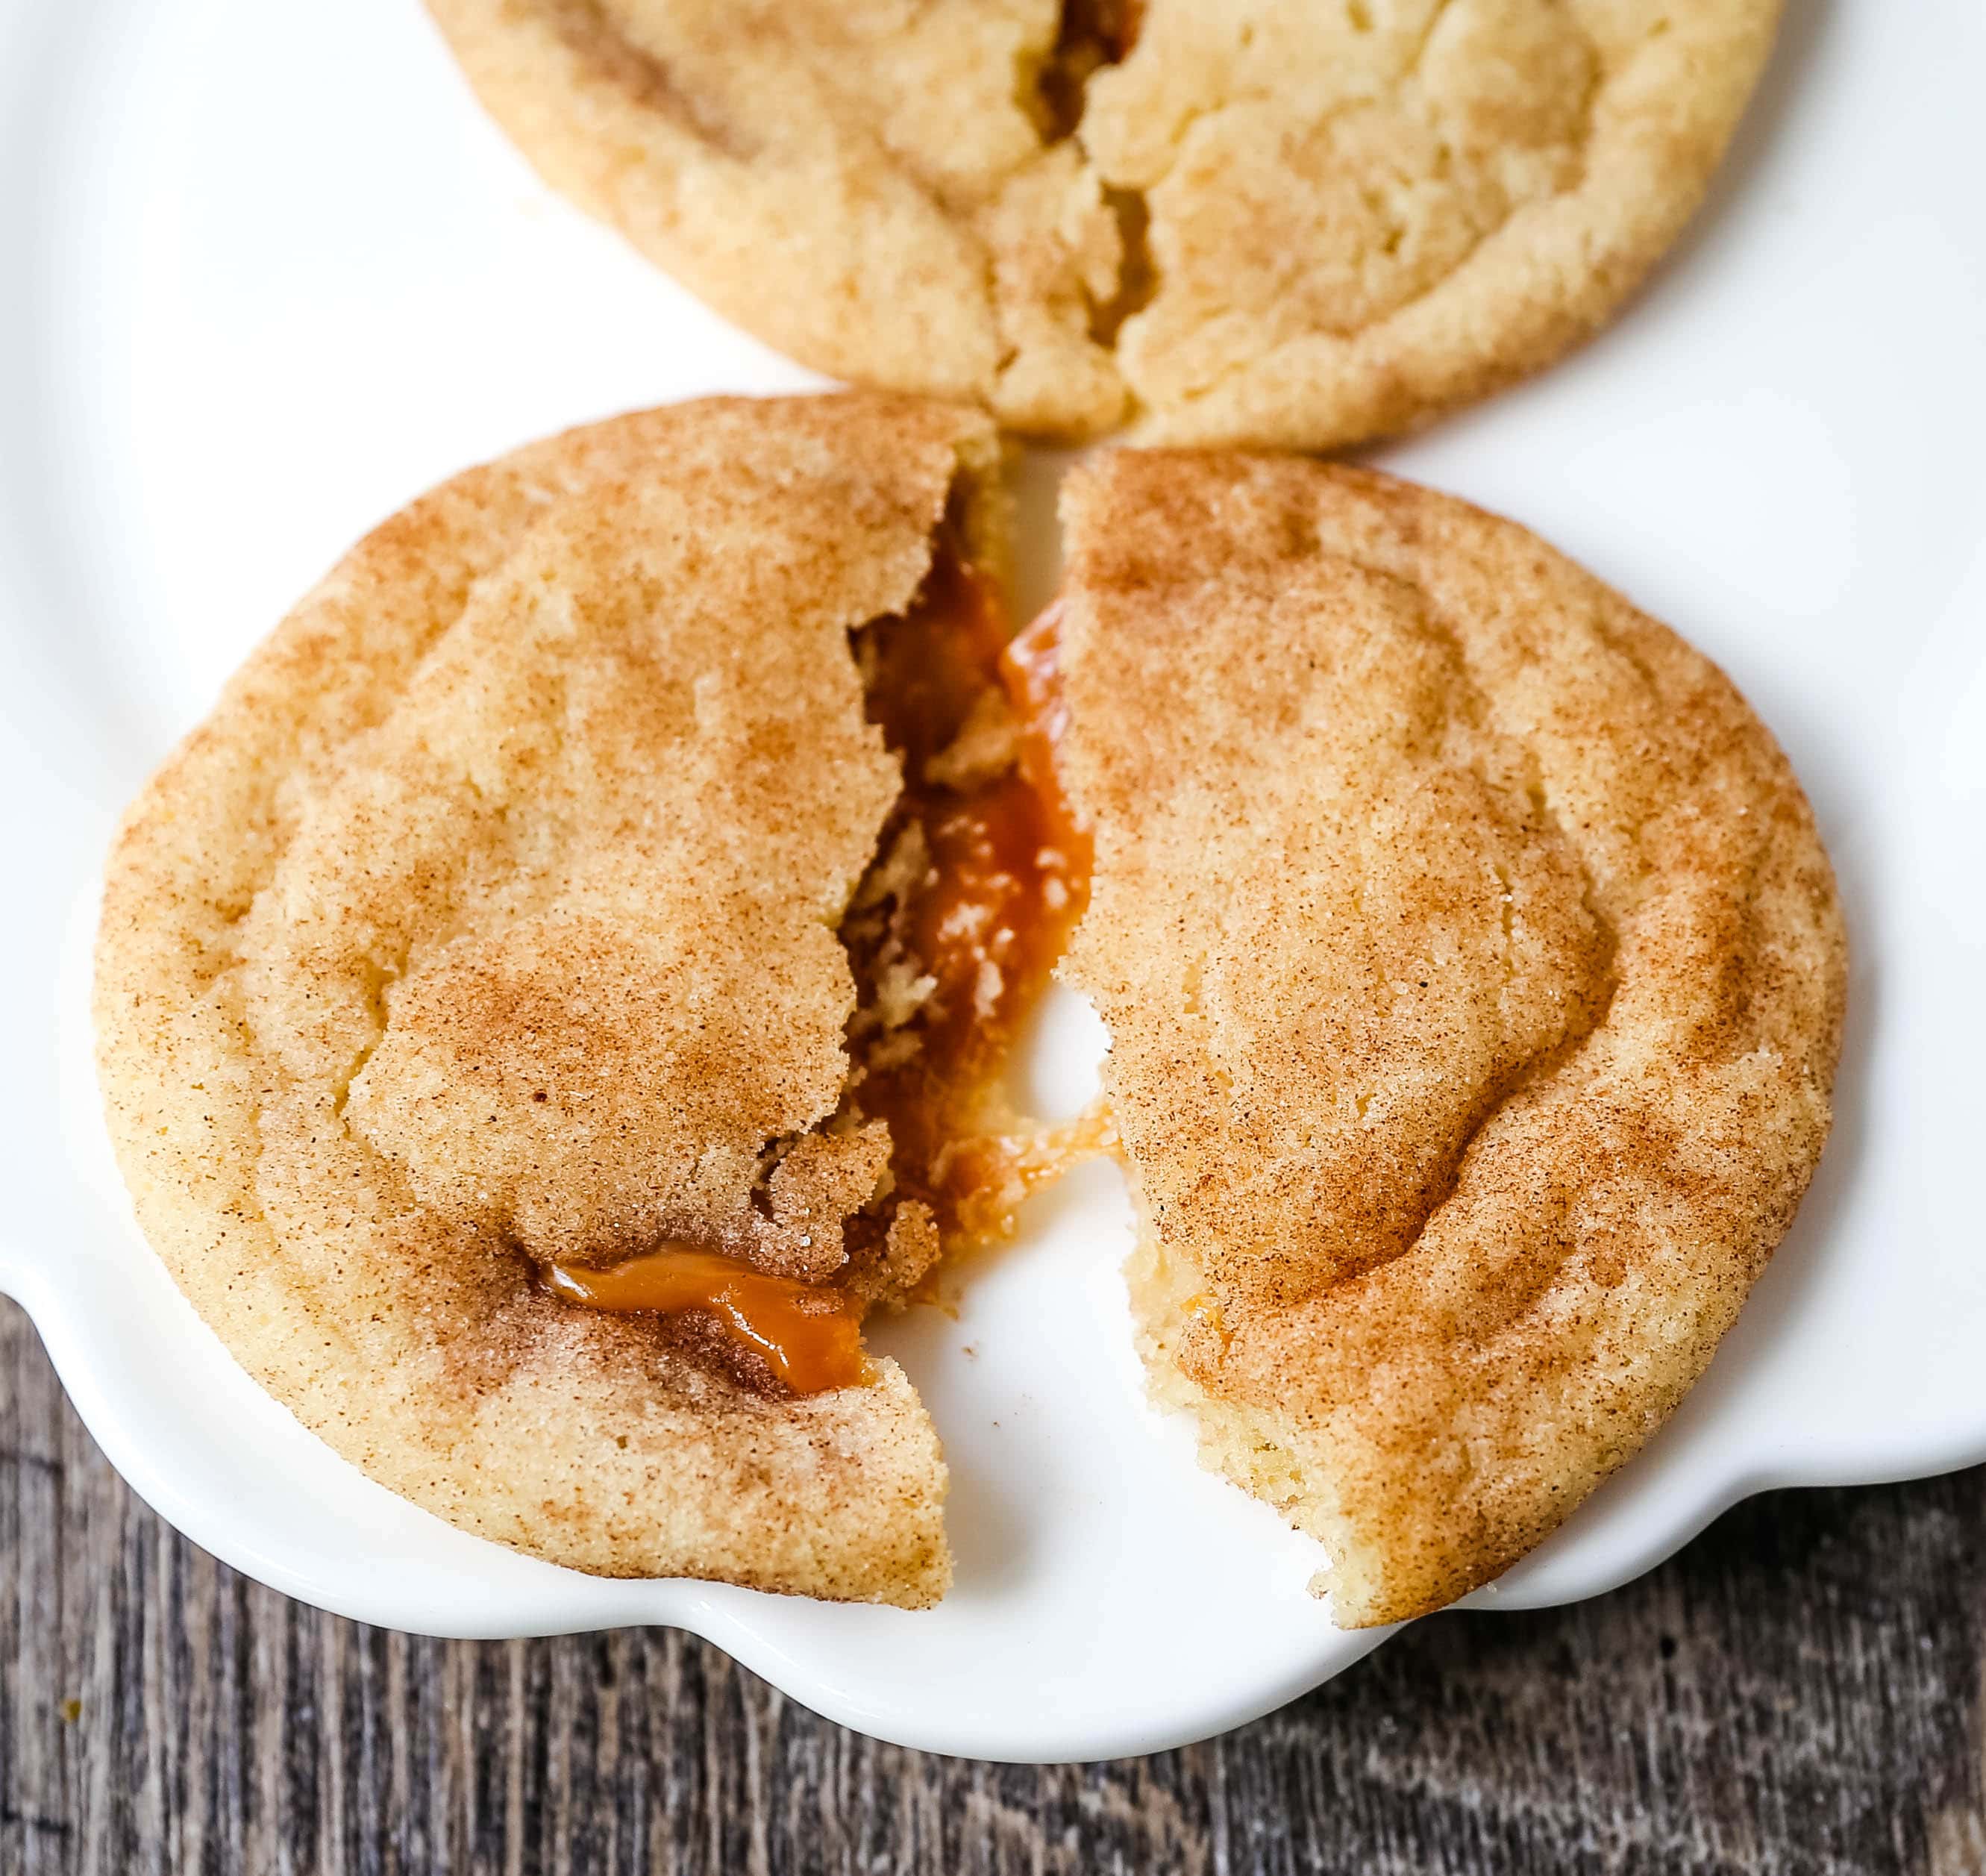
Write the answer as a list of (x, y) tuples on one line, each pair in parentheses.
[(1798, 1691)]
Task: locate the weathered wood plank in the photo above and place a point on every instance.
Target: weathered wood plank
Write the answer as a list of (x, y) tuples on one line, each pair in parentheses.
[(1799, 1691)]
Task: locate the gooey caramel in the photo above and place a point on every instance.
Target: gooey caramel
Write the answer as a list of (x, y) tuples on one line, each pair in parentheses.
[(1031, 668), (1004, 874), (810, 1336), (1007, 875)]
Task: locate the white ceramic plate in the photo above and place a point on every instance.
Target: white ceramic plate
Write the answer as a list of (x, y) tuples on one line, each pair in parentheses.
[(268, 274)]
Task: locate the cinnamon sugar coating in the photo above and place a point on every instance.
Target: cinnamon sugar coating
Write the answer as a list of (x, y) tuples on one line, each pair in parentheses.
[(490, 916), (1270, 222), (1474, 975)]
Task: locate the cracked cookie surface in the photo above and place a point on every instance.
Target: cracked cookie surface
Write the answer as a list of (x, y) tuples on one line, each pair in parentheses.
[(491, 920), (1268, 222), (1474, 975)]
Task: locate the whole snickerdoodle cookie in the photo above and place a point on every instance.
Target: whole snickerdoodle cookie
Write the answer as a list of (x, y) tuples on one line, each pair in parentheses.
[(1274, 222)]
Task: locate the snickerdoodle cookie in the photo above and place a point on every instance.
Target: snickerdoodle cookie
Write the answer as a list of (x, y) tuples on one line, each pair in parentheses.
[(559, 987), (1474, 975), (1294, 223)]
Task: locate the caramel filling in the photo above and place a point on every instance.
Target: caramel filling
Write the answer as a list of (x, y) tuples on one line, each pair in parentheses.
[(1031, 668), (983, 921), (979, 874), (1090, 34), (810, 1336)]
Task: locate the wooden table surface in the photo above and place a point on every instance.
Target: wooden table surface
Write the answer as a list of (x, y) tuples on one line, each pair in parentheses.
[(1799, 1690)]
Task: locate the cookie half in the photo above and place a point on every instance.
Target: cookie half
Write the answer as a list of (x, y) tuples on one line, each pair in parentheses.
[(1474, 975), (1267, 222), (562, 984)]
